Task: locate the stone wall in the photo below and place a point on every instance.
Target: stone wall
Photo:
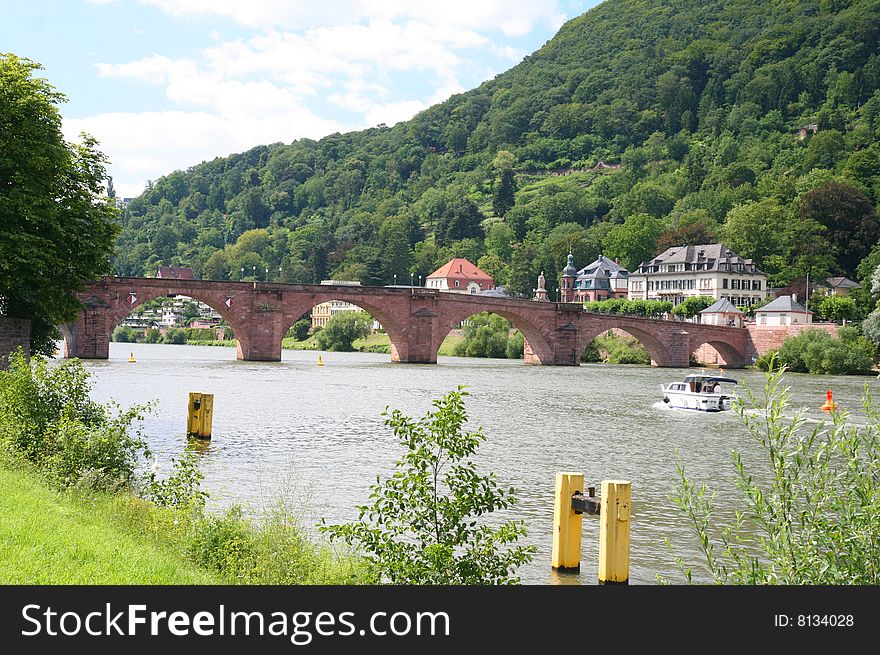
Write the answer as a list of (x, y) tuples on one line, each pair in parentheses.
[(14, 332), (762, 338)]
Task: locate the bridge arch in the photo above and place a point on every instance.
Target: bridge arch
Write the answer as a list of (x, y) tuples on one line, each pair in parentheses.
[(657, 350), (387, 316), (213, 299), (537, 336), (720, 352)]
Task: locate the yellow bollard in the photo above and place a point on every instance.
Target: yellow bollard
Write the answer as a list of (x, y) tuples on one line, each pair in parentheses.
[(131, 358), (614, 532), (566, 555), (200, 415)]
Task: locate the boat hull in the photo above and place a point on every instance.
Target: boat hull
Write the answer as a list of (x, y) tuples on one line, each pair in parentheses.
[(702, 402)]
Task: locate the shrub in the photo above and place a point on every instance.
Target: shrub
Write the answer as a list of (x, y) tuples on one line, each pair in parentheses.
[(425, 523), (342, 329), (817, 352), (813, 519), (152, 335), (46, 416), (124, 334), (516, 345), (300, 330), (175, 336), (485, 335)]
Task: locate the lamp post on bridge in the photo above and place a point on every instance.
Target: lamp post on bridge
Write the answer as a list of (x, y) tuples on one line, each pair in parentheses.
[(411, 273), (242, 273)]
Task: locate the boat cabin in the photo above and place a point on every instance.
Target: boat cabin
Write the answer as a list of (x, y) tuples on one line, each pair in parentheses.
[(704, 383)]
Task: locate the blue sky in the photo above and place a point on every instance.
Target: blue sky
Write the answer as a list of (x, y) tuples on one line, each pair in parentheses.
[(166, 84)]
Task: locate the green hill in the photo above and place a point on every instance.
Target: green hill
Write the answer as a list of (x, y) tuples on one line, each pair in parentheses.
[(638, 126)]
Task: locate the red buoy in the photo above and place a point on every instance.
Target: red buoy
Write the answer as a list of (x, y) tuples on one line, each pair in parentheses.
[(829, 405)]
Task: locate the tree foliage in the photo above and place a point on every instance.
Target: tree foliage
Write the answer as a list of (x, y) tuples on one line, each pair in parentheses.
[(426, 523), (57, 228), (342, 329)]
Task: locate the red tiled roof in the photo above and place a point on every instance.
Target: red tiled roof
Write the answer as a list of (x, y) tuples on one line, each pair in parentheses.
[(175, 273), (461, 269)]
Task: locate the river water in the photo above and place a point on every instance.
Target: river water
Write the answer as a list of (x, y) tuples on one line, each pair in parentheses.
[(315, 438)]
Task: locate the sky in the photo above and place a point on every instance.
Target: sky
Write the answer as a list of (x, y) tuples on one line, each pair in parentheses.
[(166, 84)]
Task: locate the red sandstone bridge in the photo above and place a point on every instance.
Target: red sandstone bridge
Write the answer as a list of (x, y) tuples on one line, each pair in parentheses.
[(416, 319)]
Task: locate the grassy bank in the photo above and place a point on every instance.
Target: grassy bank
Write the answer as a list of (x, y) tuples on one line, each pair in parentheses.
[(54, 537)]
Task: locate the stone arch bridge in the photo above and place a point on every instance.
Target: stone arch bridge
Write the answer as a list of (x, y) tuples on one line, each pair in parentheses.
[(416, 320)]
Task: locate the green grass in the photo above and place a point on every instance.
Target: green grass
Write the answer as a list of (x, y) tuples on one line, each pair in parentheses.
[(50, 537)]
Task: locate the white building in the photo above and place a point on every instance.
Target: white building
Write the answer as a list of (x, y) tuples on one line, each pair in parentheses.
[(722, 312), (785, 310), (708, 270)]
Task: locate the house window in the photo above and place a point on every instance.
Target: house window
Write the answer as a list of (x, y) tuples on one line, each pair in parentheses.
[(456, 283), (724, 283)]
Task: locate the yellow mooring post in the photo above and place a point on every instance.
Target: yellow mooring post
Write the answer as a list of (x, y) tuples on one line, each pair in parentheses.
[(200, 415), (566, 554), (614, 532)]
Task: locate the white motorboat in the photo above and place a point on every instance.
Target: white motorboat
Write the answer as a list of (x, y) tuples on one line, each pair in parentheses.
[(705, 393)]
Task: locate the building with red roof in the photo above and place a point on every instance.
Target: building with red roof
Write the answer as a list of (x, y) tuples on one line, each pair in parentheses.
[(461, 276), (175, 273)]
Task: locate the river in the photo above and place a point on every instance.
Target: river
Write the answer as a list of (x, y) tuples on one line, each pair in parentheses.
[(314, 436)]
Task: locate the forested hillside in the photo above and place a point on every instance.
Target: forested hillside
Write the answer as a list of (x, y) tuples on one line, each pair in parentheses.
[(642, 124)]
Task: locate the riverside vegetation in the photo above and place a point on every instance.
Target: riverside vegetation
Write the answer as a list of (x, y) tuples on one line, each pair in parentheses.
[(810, 515), (78, 507)]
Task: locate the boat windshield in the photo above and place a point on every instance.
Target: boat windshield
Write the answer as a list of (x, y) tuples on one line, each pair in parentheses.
[(707, 383)]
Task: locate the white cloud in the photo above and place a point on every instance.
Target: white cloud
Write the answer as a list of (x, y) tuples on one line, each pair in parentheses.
[(148, 145), (512, 17)]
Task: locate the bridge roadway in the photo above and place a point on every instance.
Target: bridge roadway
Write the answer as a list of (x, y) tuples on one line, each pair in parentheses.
[(416, 319)]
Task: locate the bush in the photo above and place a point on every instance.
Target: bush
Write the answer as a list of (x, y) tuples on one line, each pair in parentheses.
[(814, 520), (47, 417), (425, 524), (199, 334), (152, 335), (516, 345), (342, 329), (612, 348), (485, 335), (300, 330), (175, 336), (817, 352), (123, 334)]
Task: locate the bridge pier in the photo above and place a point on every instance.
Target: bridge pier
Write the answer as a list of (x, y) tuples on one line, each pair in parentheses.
[(420, 339), (262, 341), (89, 336)]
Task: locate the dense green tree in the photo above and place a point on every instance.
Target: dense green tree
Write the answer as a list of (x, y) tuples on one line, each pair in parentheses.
[(692, 306), (633, 241), (56, 226), (461, 220), (837, 308), (752, 230), (852, 224)]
